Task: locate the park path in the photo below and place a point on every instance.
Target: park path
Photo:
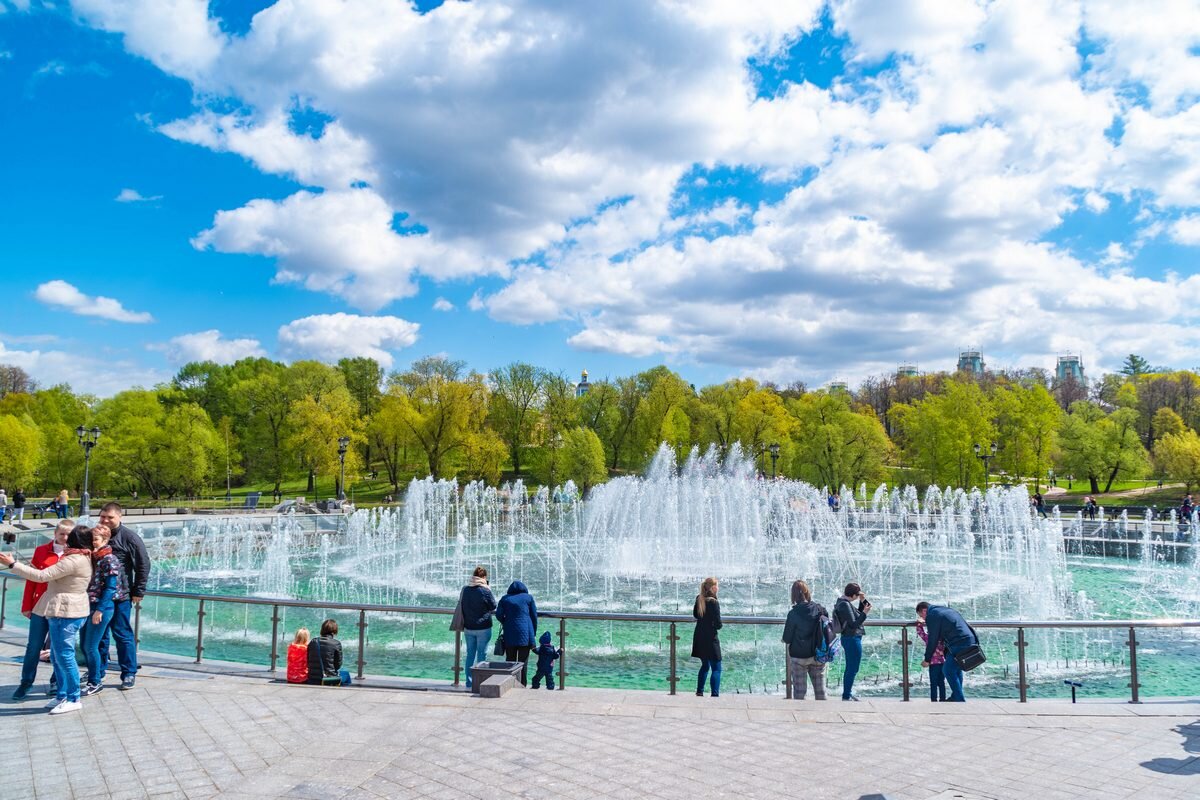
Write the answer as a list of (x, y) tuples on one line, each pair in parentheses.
[(184, 733)]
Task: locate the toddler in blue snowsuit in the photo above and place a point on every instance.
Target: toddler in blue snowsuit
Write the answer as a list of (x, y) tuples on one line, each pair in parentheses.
[(546, 655)]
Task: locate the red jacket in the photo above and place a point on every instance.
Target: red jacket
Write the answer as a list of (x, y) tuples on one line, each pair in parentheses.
[(297, 663), (44, 556)]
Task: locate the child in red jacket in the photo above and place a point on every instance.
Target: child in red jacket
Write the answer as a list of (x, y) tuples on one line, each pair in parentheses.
[(297, 664)]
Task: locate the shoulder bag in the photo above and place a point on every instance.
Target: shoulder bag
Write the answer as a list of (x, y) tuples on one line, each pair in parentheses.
[(458, 622), (971, 656)]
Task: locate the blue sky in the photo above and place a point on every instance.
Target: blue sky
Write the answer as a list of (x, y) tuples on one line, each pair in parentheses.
[(811, 193)]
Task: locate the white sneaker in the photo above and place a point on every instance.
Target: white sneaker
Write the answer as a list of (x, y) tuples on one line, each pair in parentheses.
[(66, 707), (54, 702)]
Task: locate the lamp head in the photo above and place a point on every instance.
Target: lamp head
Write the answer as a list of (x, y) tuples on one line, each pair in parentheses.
[(774, 448), (994, 448), (977, 449)]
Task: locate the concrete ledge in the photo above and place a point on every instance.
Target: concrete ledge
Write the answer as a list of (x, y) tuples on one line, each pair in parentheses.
[(497, 686)]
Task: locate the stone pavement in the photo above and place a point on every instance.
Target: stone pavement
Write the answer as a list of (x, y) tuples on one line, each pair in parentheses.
[(194, 734)]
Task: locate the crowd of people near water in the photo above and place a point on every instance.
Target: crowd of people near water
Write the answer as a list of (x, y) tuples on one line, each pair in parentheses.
[(80, 589)]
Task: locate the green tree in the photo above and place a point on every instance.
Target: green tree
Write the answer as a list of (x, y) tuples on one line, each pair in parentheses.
[(391, 439), (661, 415), (264, 403), (315, 425), (1027, 423), (939, 432), (513, 411), (443, 408), (1101, 446), (1166, 423), (1135, 365), (718, 411), (583, 458), (1178, 456), (833, 445), (364, 380), (598, 411), (481, 456), (20, 450), (760, 419)]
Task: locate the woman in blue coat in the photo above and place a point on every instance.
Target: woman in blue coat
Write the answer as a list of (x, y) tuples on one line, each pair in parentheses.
[(518, 619)]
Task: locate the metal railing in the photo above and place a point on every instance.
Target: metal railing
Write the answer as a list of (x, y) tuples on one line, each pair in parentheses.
[(902, 627)]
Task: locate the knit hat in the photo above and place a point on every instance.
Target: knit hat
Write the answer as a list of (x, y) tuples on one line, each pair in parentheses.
[(545, 638)]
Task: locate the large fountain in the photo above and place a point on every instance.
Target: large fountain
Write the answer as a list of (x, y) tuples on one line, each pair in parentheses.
[(642, 544)]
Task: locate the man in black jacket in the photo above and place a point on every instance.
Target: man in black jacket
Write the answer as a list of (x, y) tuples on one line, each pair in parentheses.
[(130, 550)]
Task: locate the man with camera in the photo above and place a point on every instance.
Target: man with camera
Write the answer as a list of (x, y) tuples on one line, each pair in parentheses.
[(130, 550)]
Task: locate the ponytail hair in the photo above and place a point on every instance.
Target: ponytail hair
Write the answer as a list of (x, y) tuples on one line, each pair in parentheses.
[(708, 589)]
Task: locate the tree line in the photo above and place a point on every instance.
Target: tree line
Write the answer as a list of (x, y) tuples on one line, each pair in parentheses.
[(264, 422)]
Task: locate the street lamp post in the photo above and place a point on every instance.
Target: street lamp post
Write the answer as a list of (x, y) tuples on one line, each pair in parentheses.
[(774, 448), (343, 445), (985, 456), (87, 440)]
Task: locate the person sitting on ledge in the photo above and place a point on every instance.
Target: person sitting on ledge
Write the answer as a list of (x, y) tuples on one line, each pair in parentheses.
[(325, 658), (297, 657)]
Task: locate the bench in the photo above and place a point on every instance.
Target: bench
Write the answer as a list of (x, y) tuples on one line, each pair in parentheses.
[(497, 686)]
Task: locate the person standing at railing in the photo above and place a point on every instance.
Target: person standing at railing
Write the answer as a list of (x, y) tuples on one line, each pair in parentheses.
[(706, 642), (946, 626), (849, 620), (18, 501), (106, 589), (130, 550), (801, 634), (65, 607), (478, 604), (44, 556), (517, 613)]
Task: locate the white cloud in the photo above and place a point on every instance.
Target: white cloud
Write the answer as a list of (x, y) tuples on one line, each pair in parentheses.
[(178, 36), (442, 304), (337, 242), (79, 369), (1186, 230), (328, 337), (61, 294), (208, 346), (134, 196), (544, 146)]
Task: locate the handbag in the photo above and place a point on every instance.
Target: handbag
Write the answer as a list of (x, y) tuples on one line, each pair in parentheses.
[(458, 622), (330, 680), (971, 656), (498, 650)]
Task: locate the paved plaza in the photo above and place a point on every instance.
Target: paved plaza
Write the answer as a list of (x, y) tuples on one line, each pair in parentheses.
[(198, 734)]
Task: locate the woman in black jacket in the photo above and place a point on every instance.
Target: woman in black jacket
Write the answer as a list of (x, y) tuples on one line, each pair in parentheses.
[(325, 656), (850, 620), (802, 634), (705, 644), (478, 606)]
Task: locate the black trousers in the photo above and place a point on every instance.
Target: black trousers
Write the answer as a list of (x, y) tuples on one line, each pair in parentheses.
[(519, 654)]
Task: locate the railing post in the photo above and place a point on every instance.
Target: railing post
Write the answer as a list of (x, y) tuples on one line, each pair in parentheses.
[(200, 632), (362, 640), (3, 601), (457, 656), (787, 672), (1022, 685), (1133, 670), (905, 684), (671, 678), (562, 659), (274, 635), (137, 623)]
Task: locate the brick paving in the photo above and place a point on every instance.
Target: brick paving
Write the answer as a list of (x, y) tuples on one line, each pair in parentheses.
[(191, 734)]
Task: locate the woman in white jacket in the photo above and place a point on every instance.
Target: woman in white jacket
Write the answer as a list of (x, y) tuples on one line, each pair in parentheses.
[(65, 606)]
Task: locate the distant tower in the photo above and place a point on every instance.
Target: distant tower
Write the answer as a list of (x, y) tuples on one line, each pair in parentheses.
[(582, 387), (907, 371), (1070, 366), (971, 361), (838, 386)]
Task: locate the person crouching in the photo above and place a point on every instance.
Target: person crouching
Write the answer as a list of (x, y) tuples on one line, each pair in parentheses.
[(547, 654)]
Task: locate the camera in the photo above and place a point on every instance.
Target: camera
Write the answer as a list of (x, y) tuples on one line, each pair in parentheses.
[(10, 537)]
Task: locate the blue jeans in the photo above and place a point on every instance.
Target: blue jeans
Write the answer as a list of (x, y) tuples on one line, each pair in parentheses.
[(121, 628), (97, 663), (937, 682), (477, 644), (954, 677), (39, 629), (852, 647), (63, 632), (707, 665)]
